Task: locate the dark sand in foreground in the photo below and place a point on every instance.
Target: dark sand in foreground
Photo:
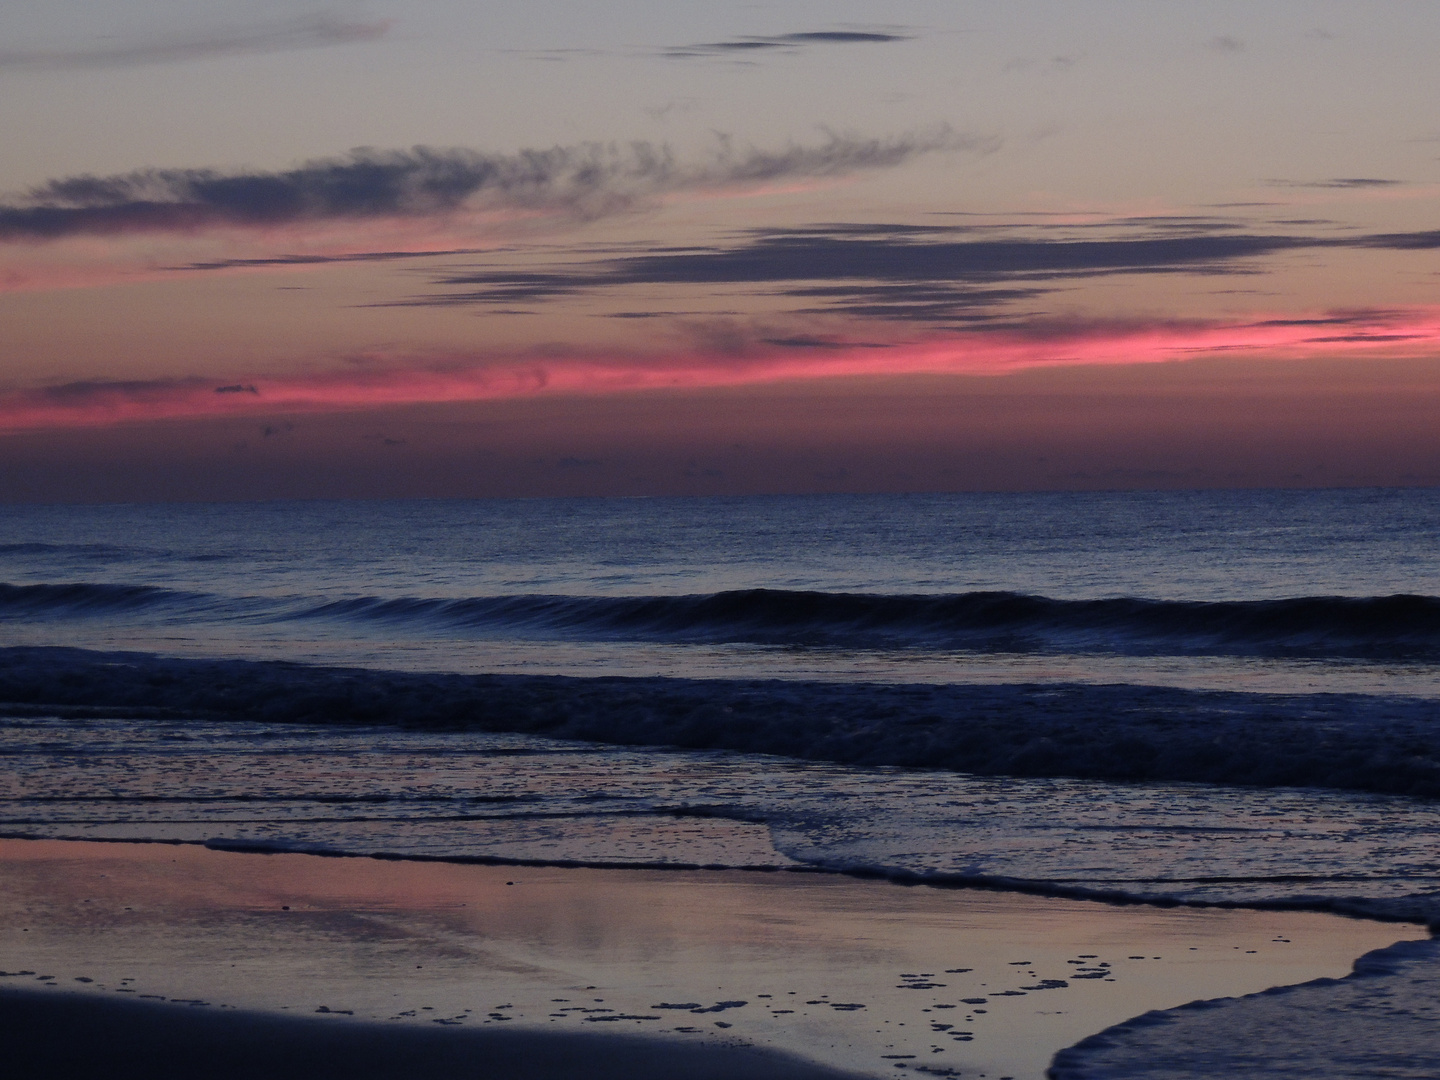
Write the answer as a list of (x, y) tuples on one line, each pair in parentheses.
[(61, 1036)]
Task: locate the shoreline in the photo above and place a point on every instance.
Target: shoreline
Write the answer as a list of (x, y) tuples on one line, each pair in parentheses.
[(1378, 910), (845, 972), (1380, 1021)]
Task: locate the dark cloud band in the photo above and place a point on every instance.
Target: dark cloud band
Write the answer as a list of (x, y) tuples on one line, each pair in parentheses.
[(304, 33), (786, 42), (1338, 182), (929, 274), (938, 275), (588, 180)]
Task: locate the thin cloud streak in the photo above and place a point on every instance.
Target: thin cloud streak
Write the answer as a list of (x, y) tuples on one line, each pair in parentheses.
[(1344, 183), (364, 387), (784, 42), (585, 181), (307, 32)]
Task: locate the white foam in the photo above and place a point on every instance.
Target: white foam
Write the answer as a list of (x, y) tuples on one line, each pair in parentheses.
[(462, 795), (1381, 1023)]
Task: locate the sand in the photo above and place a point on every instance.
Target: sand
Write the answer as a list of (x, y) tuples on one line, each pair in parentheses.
[(214, 955), (65, 1035)]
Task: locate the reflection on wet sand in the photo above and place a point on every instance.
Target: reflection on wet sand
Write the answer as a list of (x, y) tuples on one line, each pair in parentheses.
[(865, 975)]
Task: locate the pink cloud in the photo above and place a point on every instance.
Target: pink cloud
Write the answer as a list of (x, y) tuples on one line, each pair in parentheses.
[(472, 379)]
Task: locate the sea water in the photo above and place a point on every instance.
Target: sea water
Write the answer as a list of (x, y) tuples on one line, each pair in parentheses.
[(1270, 590), (1230, 612)]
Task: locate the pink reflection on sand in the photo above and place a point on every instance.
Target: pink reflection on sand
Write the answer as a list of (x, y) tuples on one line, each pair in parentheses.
[(847, 972)]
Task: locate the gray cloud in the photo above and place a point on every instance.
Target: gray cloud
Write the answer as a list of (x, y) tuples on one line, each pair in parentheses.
[(1412, 241), (936, 274), (940, 275), (1336, 182), (585, 181), (308, 32), (785, 42), (321, 260)]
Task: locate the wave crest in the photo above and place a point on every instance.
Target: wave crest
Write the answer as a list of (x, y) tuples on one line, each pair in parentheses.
[(1374, 627), (1380, 627)]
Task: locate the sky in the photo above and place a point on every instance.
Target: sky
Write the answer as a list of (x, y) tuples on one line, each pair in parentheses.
[(462, 249)]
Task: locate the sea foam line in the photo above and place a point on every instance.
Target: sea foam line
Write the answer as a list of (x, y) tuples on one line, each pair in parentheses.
[(1412, 910)]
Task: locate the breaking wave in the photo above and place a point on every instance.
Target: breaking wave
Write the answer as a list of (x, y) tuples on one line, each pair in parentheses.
[(1113, 732), (1375, 627)]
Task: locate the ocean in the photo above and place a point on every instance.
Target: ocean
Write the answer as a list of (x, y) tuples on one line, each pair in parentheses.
[(1205, 698)]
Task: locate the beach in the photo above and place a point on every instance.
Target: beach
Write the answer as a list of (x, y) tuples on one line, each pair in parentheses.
[(138, 1040), (963, 786), (859, 977)]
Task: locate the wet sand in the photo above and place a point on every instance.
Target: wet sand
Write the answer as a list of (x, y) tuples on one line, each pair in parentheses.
[(63, 1036), (376, 958)]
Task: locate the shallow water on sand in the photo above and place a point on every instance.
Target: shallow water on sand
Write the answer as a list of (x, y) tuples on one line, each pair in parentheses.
[(466, 795), (860, 974)]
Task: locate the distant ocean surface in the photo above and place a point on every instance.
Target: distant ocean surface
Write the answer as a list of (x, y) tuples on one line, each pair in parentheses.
[(1214, 697), (1280, 591)]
